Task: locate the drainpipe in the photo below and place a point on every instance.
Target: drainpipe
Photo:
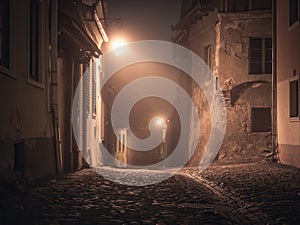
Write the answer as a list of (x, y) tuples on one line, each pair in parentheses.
[(54, 84), (274, 82)]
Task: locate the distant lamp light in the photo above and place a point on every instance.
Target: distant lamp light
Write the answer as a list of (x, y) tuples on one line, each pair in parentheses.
[(161, 125), (160, 122)]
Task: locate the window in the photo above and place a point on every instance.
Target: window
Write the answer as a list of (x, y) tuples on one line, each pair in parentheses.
[(207, 56), (238, 5), (294, 11), (34, 41), (208, 61), (261, 4), (4, 33), (260, 56), (294, 98), (261, 120), (246, 5)]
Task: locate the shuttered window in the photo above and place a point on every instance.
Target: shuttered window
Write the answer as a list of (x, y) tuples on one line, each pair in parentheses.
[(86, 86), (94, 87)]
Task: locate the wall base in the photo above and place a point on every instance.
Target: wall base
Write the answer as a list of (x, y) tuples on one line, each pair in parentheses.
[(289, 155)]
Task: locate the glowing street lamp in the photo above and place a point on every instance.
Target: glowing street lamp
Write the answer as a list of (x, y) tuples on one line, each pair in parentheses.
[(117, 44), (160, 122)]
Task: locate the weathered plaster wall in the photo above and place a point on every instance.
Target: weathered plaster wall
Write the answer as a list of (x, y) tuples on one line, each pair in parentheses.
[(228, 35), (240, 143), (235, 31)]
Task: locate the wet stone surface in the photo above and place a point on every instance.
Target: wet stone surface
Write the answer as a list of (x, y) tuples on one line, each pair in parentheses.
[(260, 193)]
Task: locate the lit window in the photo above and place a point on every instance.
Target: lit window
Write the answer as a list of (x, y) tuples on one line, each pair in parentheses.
[(34, 41), (294, 98), (4, 33), (260, 56), (294, 11), (261, 120)]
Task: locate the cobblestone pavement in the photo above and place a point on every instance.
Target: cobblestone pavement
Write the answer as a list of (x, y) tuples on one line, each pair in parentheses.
[(260, 193), (267, 193)]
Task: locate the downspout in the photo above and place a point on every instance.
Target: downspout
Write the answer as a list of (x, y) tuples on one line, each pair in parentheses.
[(54, 84), (274, 82)]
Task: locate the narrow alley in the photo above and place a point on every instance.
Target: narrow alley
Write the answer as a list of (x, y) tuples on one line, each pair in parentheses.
[(253, 193), (149, 112)]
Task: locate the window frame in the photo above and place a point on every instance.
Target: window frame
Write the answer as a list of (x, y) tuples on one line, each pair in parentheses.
[(249, 7), (208, 56), (10, 69), (252, 120), (293, 24), (40, 83), (263, 59), (291, 80)]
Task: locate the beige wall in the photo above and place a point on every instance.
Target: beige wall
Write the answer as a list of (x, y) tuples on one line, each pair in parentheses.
[(288, 131), (25, 121), (288, 48), (26, 113)]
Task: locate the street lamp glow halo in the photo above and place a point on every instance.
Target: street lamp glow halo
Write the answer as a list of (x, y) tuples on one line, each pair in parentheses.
[(117, 43), (160, 121)]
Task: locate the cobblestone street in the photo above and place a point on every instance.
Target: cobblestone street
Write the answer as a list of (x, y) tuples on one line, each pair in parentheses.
[(267, 193), (256, 193)]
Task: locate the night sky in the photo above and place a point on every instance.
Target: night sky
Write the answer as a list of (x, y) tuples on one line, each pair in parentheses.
[(144, 19)]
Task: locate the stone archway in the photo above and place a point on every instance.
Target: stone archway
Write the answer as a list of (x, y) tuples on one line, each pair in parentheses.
[(236, 92)]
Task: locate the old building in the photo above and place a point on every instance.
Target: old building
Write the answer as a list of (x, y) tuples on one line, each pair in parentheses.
[(234, 38), (288, 72), (79, 56), (45, 48)]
